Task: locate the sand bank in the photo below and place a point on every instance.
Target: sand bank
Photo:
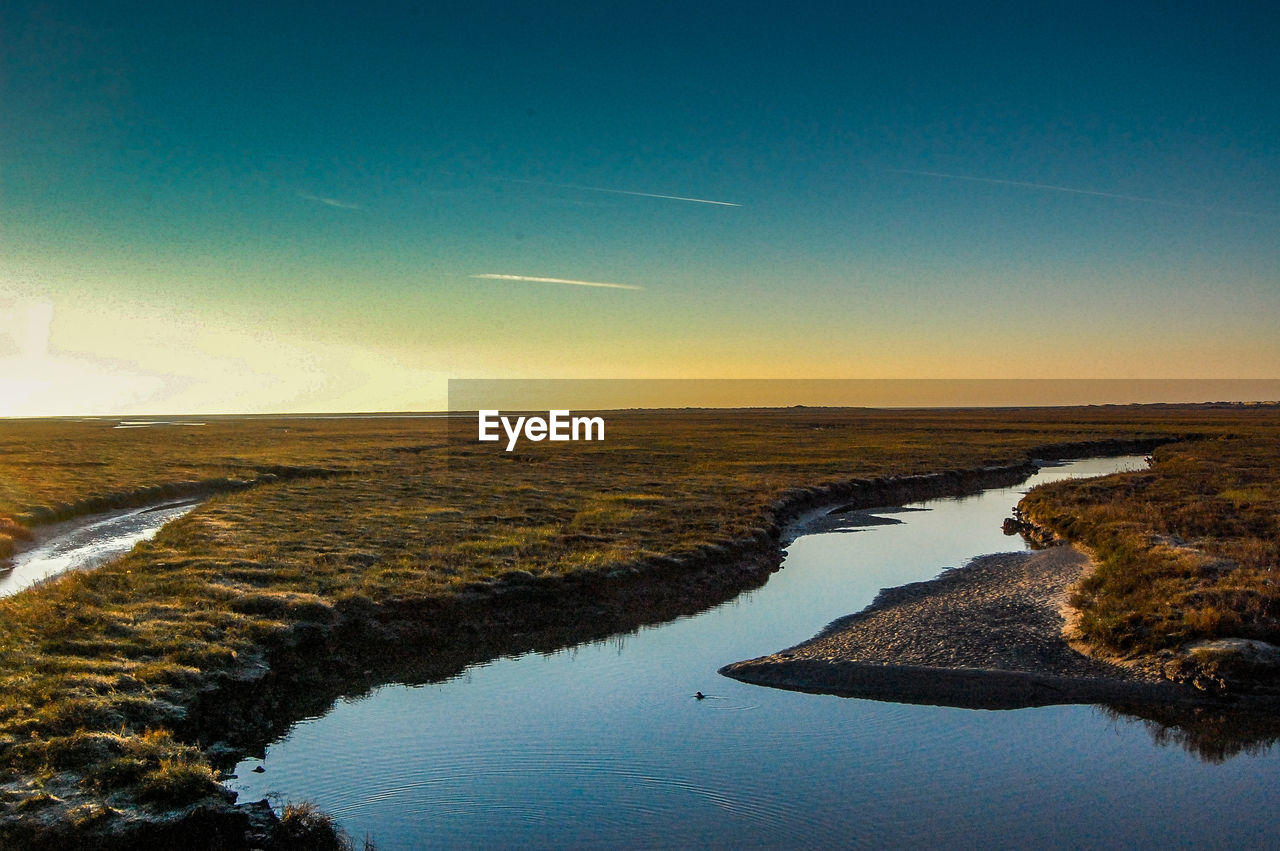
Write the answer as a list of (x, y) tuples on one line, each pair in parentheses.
[(988, 635)]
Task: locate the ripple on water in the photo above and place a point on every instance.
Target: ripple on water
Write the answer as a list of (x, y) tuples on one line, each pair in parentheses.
[(609, 796), (716, 703)]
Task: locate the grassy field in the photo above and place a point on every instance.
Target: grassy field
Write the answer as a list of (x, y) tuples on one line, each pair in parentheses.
[(321, 519), (1187, 550)]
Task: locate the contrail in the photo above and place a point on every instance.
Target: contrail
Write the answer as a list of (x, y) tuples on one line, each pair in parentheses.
[(494, 277), (332, 202), (1052, 188), (620, 192)]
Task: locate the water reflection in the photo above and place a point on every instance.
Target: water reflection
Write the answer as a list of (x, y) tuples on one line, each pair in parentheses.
[(604, 744), (1212, 734)]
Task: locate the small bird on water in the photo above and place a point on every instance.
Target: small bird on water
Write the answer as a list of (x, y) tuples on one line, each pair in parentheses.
[(700, 696)]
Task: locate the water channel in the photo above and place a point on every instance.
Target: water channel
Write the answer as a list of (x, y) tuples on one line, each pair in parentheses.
[(84, 543), (605, 744)]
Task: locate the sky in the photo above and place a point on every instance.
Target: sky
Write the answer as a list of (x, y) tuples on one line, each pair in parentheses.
[(261, 207)]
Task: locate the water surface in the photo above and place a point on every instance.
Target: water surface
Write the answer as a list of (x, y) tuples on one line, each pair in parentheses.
[(84, 543), (605, 745)]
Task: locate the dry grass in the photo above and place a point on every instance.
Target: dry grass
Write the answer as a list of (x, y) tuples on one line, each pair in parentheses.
[(306, 827), (96, 668), (1187, 550), (62, 462)]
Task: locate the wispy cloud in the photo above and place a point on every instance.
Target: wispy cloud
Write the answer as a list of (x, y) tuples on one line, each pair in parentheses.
[(1049, 187), (496, 277), (621, 192), (331, 202)]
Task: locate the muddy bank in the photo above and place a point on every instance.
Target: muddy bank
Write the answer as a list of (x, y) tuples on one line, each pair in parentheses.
[(984, 636), (990, 635)]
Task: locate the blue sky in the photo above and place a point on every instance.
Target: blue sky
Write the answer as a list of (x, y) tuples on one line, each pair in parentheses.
[(222, 207)]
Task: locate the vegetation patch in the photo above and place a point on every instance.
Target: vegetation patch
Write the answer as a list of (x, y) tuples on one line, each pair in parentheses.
[(1186, 551)]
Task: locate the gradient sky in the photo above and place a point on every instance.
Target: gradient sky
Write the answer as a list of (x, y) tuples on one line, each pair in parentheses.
[(225, 207)]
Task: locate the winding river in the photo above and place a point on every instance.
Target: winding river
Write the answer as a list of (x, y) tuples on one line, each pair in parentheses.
[(606, 744)]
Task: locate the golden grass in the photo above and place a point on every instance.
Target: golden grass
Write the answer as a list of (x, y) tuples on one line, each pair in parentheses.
[(306, 827), (1187, 550)]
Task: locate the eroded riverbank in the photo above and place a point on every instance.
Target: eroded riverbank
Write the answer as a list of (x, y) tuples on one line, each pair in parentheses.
[(353, 648)]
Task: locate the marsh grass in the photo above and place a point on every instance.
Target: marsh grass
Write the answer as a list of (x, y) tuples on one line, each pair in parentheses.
[(98, 669), (1187, 550), (306, 827)]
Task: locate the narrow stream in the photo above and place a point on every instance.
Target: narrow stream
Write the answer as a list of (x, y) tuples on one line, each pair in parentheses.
[(84, 543), (605, 745)]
